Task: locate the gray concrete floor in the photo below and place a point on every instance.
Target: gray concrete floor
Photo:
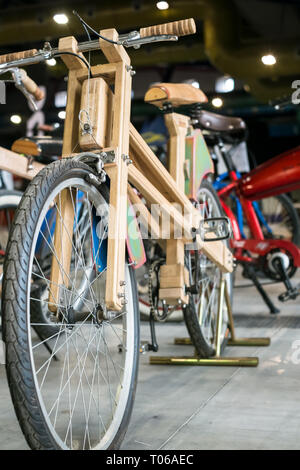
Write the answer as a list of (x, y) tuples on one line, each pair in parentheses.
[(185, 408)]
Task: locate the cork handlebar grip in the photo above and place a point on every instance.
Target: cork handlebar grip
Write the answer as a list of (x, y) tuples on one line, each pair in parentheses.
[(176, 28), (17, 56)]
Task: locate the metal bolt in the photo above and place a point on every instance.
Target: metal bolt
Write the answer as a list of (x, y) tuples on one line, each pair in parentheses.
[(93, 178), (122, 283), (121, 294), (102, 176), (99, 165)]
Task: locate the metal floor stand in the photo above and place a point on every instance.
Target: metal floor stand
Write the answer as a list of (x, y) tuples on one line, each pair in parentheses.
[(217, 360)]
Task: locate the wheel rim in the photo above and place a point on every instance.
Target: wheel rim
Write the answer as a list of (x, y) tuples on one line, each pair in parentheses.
[(83, 397), (277, 217), (206, 302)]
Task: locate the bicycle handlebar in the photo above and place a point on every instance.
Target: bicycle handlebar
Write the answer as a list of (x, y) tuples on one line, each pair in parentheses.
[(175, 28), (17, 56), (163, 32)]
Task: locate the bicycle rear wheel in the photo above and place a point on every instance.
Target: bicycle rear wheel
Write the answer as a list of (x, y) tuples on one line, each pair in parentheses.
[(201, 312), (79, 396), (281, 218)]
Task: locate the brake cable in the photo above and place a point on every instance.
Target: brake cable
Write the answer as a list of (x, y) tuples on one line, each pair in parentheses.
[(86, 25)]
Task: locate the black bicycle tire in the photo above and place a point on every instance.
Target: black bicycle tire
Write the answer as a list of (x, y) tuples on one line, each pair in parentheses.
[(18, 368)]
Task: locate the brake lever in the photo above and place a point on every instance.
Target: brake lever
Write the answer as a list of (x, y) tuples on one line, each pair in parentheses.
[(17, 79), (17, 76), (28, 96), (136, 41)]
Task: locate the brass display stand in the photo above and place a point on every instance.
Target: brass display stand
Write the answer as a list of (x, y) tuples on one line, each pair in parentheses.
[(217, 360)]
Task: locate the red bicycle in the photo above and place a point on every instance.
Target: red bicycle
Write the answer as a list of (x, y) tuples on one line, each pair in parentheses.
[(276, 258)]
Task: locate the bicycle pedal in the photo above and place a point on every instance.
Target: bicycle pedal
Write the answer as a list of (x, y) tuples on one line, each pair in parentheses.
[(290, 294), (214, 229), (144, 347)]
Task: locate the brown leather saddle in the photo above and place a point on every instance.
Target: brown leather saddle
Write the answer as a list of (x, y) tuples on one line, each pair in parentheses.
[(219, 123), (45, 149)]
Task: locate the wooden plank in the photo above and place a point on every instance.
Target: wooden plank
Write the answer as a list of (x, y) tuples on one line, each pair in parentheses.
[(18, 164), (153, 196), (143, 214), (106, 71), (97, 100), (117, 172), (113, 52), (172, 275), (156, 173), (60, 267), (172, 295), (177, 126), (69, 44), (215, 251)]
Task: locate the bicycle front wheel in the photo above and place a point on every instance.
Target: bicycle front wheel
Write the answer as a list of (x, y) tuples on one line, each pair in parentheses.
[(80, 394)]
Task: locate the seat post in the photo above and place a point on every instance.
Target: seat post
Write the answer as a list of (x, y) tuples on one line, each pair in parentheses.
[(225, 155)]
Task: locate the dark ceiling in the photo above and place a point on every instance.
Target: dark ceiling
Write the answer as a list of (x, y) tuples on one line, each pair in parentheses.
[(232, 35)]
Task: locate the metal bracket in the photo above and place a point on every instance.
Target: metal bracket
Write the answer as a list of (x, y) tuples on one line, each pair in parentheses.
[(108, 157)]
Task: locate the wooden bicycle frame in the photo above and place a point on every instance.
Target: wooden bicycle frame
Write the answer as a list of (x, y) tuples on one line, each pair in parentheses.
[(146, 174)]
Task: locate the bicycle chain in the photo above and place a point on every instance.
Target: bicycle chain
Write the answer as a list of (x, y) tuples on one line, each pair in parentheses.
[(154, 310)]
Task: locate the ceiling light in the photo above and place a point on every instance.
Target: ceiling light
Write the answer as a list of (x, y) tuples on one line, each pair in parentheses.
[(62, 114), (162, 5), (60, 99), (61, 18), (268, 59), (217, 102), (224, 84), (51, 62), (16, 119)]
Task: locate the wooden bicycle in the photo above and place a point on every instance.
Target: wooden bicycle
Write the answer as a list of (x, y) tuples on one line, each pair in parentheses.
[(76, 241)]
